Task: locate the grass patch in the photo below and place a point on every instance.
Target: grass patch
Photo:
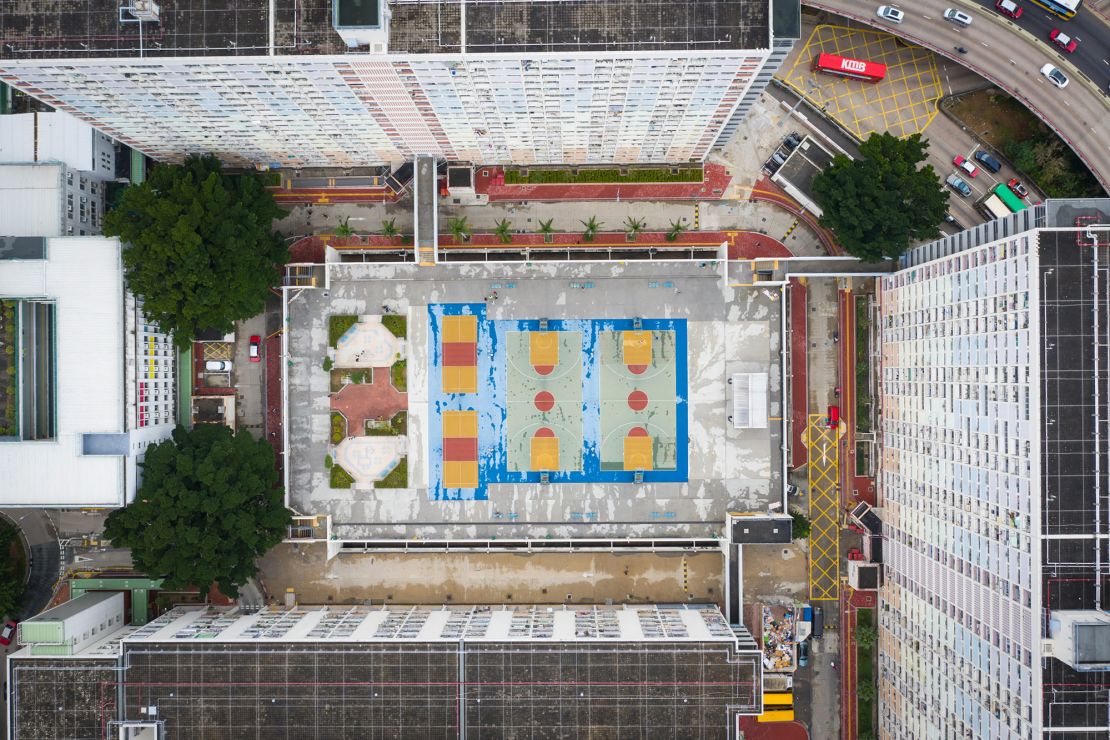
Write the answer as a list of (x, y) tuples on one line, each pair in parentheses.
[(338, 427), (1033, 148), (340, 478), (564, 176), (397, 325), (863, 366), (398, 477), (398, 426), (865, 674), (398, 375), (338, 326), (340, 378), (8, 358)]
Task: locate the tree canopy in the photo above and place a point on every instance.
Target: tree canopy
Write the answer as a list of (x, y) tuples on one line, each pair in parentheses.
[(877, 205), (207, 507), (200, 250)]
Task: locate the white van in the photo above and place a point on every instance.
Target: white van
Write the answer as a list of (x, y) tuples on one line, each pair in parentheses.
[(958, 17)]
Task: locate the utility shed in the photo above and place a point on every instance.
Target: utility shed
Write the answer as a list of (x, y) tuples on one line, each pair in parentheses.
[(68, 628)]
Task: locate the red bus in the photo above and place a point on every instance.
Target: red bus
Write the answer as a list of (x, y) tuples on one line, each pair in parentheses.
[(857, 69)]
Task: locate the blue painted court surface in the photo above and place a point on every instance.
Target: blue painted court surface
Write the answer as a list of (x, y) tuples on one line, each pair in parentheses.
[(492, 407)]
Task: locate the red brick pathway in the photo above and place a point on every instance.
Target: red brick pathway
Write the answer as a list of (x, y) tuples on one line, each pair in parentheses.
[(361, 401), (488, 181), (799, 391), (756, 730)]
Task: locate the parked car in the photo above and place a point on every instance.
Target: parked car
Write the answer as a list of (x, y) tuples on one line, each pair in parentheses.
[(1008, 7), (958, 17), (1055, 76), (217, 366), (965, 164), (887, 13), (792, 140), (256, 348), (1017, 188), (961, 187), (803, 653), (7, 633), (986, 159), (818, 621), (1061, 39), (834, 417), (948, 217)]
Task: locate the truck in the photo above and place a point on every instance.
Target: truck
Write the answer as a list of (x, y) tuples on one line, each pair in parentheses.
[(992, 207)]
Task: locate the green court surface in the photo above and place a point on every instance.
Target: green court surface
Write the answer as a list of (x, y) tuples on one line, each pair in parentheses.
[(543, 424), (638, 399)]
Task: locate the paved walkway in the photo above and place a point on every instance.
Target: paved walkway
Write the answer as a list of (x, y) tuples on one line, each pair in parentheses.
[(799, 374), (767, 191), (273, 430), (489, 181), (753, 729), (359, 402)]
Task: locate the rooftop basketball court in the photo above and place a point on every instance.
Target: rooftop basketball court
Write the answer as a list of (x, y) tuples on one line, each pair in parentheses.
[(553, 401), (586, 400)]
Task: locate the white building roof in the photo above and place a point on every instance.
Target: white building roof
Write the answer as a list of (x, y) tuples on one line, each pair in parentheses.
[(61, 138), (531, 623), (84, 278), (31, 198)]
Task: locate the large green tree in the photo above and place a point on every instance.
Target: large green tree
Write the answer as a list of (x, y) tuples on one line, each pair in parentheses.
[(207, 507), (201, 252), (877, 205)]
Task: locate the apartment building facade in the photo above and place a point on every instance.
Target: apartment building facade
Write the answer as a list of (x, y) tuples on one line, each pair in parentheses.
[(993, 483), (524, 82)]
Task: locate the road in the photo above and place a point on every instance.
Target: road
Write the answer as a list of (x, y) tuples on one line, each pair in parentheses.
[(45, 557), (1011, 60), (1091, 56)]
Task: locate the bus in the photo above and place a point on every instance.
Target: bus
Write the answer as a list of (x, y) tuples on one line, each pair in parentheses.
[(1007, 196), (1065, 9), (857, 69), (992, 207)]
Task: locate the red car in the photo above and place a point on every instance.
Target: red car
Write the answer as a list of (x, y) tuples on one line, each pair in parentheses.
[(965, 164), (256, 348), (7, 634), (1061, 39), (834, 417), (1008, 7), (1017, 188)]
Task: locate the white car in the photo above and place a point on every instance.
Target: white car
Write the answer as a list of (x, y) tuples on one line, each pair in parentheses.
[(887, 13), (1055, 76)]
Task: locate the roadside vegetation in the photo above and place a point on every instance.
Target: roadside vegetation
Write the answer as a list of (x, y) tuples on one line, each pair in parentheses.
[(8, 359), (201, 252), (876, 206), (801, 525), (866, 638), (208, 506), (863, 366), (613, 175), (1033, 148), (13, 569)]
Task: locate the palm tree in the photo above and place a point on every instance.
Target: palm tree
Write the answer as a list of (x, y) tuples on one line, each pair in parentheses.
[(389, 228), (592, 227), (547, 229), (633, 226), (677, 227), (504, 231), (459, 229), (344, 228)]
